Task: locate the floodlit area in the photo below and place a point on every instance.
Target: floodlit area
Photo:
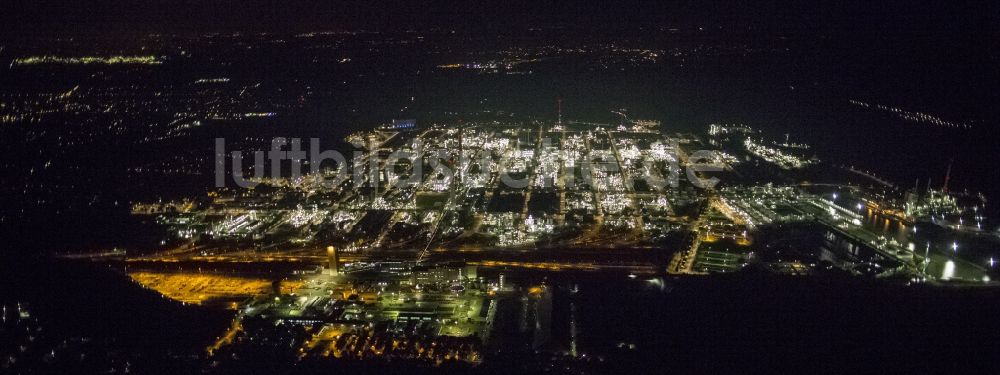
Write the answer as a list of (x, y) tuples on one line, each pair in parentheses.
[(484, 185), (391, 310), (199, 288)]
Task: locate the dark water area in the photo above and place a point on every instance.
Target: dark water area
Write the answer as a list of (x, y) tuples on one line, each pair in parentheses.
[(751, 321)]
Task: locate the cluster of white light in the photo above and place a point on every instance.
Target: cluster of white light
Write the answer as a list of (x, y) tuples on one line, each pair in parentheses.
[(574, 142), (546, 178), (380, 203), (614, 203), (584, 201), (548, 167), (497, 144), (186, 233), (757, 203), (345, 220), (430, 217), (606, 194), (729, 208), (438, 182), (476, 180), (504, 226), (515, 165), (609, 182), (661, 152), (629, 151), (301, 216), (238, 224), (599, 156), (722, 157), (538, 226), (512, 238), (660, 203), (934, 203), (570, 157), (717, 129), (775, 156), (619, 221)]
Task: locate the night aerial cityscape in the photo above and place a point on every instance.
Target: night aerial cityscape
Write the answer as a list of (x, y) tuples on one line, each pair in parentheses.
[(523, 187)]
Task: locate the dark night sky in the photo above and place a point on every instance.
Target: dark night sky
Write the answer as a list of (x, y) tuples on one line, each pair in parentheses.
[(867, 17)]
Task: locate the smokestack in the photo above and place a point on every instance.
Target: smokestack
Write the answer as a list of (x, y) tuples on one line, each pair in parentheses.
[(373, 174), (276, 287), (947, 176), (333, 260), (559, 101)]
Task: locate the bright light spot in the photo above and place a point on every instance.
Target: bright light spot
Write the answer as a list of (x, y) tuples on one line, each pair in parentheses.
[(949, 270)]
